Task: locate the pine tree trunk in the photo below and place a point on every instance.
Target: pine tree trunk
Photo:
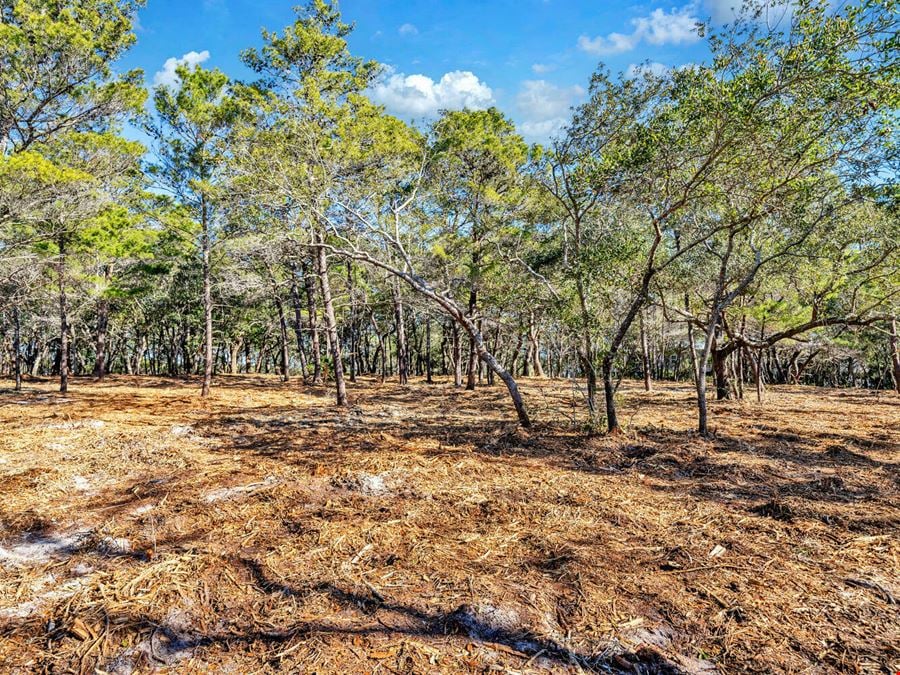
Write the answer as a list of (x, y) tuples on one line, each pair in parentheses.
[(313, 326), (721, 373), (473, 356), (282, 324), (457, 358), (428, 368), (645, 354), (609, 393), (538, 369), (102, 330), (17, 348), (402, 347), (895, 354), (331, 326), (702, 412), (207, 304), (63, 320), (298, 320)]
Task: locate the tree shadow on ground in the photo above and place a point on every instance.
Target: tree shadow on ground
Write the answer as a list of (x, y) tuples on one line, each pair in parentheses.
[(377, 616)]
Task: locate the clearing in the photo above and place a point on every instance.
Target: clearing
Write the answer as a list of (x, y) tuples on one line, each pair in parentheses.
[(421, 531)]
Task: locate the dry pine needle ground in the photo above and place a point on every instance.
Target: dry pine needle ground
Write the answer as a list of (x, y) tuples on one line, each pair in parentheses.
[(143, 529)]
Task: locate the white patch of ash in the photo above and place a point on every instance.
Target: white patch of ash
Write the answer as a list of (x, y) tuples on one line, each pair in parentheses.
[(141, 510), (173, 641), (34, 549), (25, 609), (114, 545), (224, 494), (661, 637), (82, 484), (373, 485), (77, 424)]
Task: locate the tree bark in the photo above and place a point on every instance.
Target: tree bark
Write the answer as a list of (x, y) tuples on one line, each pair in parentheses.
[(282, 324), (895, 354), (102, 330), (298, 320), (457, 358), (331, 326), (63, 320), (428, 367), (234, 357), (719, 359), (609, 392), (17, 348), (402, 347), (473, 360), (313, 327), (538, 369), (645, 355), (207, 301)]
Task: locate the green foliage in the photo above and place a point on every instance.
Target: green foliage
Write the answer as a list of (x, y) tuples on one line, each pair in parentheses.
[(56, 68)]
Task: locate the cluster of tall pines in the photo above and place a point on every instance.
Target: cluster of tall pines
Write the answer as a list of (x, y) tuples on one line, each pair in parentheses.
[(730, 224)]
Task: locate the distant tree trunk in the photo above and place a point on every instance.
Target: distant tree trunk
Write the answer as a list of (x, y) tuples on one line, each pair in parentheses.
[(17, 348), (720, 370), (609, 393), (139, 355), (586, 352), (331, 326), (895, 354), (282, 324), (102, 330), (313, 327), (535, 347), (234, 356), (473, 356), (428, 368), (207, 301), (63, 319), (402, 347), (526, 361), (514, 356), (645, 354), (298, 319), (703, 360), (457, 357), (495, 349)]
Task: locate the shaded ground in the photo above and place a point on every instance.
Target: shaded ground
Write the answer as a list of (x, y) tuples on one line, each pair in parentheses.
[(144, 529)]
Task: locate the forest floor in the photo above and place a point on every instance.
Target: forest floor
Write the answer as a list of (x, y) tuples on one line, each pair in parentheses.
[(420, 531)]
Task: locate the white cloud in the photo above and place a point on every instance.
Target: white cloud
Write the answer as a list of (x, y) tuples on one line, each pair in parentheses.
[(541, 100), (167, 77), (541, 68), (543, 130), (614, 43), (652, 67), (408, 29), (544, 108), (420, 96), (678, 26)]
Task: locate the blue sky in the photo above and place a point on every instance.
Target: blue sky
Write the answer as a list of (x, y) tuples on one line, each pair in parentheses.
[(531, 58)]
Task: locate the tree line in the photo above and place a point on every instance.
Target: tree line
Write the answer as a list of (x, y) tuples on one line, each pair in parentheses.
[(732, 222)]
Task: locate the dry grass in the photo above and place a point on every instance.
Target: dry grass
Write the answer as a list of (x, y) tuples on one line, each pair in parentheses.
[(142, 528)]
